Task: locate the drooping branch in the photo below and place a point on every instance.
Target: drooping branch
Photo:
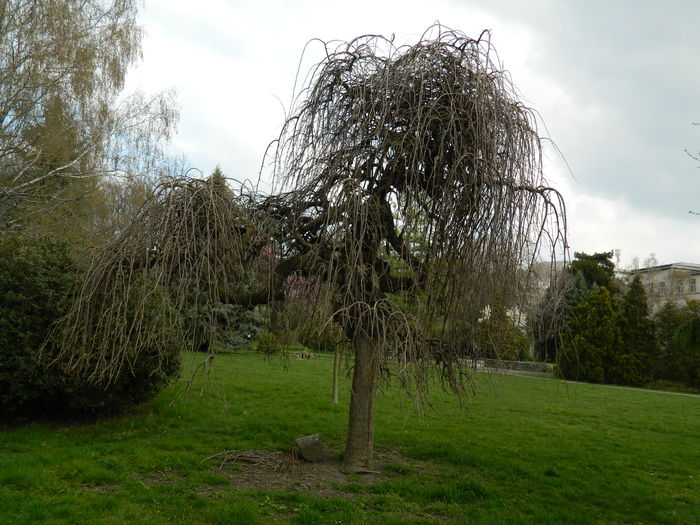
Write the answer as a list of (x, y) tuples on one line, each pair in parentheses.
[(194, 245), (426, 178)]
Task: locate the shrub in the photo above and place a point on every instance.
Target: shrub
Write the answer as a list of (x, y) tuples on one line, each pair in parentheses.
[(36, 279), (269, 343), (35, 276)]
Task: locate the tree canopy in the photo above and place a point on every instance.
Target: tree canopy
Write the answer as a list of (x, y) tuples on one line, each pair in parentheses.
[(62, 68), (597, 269)]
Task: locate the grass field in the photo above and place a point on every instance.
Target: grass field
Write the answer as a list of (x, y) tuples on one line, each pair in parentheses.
[(525, 450)]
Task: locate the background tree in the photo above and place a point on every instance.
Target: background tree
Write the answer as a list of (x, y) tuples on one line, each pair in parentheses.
[(62, 66), (597, 269), (678, 360), (638, 331), (499, 336), (592, 339), (68, 143)]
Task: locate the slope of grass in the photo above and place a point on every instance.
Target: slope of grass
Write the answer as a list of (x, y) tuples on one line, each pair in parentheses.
[(525, 450)]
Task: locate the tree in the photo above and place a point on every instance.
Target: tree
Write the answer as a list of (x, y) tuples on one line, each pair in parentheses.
[(386, 144), (592, 340), (424, 142), (678, 331), (597, 269), (62, 66), (499, 336), (638, 330), (554, 311)]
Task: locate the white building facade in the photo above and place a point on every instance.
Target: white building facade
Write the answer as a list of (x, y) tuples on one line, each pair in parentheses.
[(677, 282)]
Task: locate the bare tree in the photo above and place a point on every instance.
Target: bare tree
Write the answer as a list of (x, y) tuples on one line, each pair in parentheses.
[(193, 246), (410, 186), (421, 155)]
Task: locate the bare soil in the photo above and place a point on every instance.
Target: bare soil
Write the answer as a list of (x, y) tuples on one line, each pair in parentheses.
[(271, 470)]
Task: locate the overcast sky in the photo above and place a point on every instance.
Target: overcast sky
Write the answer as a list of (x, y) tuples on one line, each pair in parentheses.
[(616, 83)]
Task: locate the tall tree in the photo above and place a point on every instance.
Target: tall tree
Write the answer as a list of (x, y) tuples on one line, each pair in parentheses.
[(420, 154), (592, 339), (62, 65), (638, 330)]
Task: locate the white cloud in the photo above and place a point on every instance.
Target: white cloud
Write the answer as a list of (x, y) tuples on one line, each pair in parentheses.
[(618, 103)]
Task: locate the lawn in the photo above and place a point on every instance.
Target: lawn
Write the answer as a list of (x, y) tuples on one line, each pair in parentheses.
[(524, 450)]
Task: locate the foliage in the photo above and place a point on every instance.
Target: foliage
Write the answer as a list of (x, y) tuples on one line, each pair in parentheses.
[(191, 239), (62, 68), (499, 336), (597, 269), (638, 330), (604, 344), (679, 354), (37, 276), (593, 340)]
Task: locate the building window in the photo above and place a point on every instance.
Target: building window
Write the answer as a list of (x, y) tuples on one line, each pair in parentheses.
[(691, 288), (681, 288), (662, 288)]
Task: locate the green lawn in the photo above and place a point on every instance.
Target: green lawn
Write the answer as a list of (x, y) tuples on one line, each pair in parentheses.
[(525, 450)]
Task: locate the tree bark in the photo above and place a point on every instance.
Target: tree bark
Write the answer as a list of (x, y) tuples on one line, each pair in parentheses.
[(336, 370), (359, 446)]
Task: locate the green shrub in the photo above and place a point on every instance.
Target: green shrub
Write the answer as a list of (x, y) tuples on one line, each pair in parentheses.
[(37, 276), (269, 343)]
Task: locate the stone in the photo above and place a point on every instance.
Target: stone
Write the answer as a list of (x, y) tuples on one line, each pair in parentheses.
[(312, 448)]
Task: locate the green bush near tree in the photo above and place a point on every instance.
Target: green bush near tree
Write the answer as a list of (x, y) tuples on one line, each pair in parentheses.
[(37, 276)]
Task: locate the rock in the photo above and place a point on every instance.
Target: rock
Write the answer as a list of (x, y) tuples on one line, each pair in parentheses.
[(312, 448)]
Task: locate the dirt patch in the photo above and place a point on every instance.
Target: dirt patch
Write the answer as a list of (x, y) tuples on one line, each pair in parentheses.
[(269, 470)]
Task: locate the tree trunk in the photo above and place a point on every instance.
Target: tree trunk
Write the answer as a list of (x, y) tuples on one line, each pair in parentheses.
[(336, 370), (359, 446)]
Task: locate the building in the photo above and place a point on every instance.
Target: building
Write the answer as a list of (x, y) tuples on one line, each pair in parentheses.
[(677, 282)]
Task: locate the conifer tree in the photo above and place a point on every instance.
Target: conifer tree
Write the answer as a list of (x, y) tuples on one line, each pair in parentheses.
[(593, 340), (638, 330)]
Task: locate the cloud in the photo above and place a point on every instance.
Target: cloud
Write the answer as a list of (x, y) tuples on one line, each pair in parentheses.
[(615, 83)]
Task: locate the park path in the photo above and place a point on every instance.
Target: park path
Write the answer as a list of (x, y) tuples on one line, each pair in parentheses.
[(543, 376)]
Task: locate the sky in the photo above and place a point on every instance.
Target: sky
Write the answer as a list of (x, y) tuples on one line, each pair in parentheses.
[(616, 85)]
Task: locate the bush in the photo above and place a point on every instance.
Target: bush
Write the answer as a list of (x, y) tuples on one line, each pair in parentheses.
[(35, 276), (269, 343), (36, 279)]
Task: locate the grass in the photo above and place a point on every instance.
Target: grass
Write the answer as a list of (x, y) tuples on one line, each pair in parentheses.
[(526, 450)]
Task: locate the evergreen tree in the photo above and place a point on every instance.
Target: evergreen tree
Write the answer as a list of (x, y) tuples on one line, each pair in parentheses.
[(638, 330), (678, 333), (592, 339), (499, 336), (597, 269)]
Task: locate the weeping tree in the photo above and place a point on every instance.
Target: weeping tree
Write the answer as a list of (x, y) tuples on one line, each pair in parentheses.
[(409, 184), (412, 170), (192, 247)]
